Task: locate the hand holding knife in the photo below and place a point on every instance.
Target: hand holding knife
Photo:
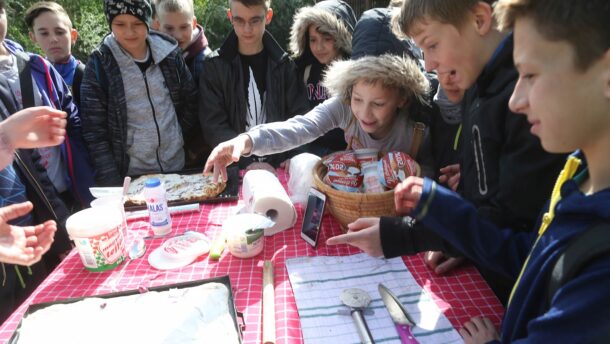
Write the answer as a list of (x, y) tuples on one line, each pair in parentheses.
[(401, 318)]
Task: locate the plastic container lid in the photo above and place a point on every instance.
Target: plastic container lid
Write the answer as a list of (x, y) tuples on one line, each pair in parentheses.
[(91, 222), (152, 182), (179, 251)]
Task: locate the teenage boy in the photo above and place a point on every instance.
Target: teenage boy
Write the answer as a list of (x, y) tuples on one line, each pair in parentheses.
[(177, 19), (562, 54), (249, 80), (138, 98), (51, 29), (34, 82), (503, 168)]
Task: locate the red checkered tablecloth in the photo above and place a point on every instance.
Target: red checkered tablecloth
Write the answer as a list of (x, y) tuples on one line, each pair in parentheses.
[(461, 295)]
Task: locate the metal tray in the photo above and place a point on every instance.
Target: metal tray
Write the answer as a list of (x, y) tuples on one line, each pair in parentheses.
[(238, 319), (230, 193)]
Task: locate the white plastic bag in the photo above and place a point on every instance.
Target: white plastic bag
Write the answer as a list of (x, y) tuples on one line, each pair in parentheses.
[(301, 177)]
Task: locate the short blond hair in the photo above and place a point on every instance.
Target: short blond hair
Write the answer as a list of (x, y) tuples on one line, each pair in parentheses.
[(454, 12), (584, 24), (41, 7), (175, 6)]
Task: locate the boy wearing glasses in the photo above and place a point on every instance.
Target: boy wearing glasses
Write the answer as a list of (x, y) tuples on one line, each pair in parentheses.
[(249, 80)]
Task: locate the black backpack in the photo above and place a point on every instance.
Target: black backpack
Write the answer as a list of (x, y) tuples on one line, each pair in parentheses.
[(594, 243)]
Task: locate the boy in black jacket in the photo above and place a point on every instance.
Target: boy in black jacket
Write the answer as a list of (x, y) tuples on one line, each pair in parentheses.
[(249, 80)]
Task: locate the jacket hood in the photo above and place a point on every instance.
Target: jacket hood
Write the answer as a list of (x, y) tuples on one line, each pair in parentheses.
[(333, 17), (12, 46), (199, 43), (161, 45), (373, 36), (391, 70)]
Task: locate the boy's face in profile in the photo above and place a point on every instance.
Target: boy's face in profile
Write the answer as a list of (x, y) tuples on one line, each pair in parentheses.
[(249, 22), (178, 25), (567, 107), (455, 53), (54, 36), (131, 34)]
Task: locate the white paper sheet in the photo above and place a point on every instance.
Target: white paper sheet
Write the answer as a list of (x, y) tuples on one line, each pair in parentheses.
[(317, 283)]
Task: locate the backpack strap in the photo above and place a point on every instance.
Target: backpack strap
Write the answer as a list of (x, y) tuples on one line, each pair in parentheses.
[(419, 129), (25, 79), (79, 73), (580, 252)]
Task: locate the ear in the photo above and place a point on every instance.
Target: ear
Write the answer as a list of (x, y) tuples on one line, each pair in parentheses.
[(482, 13), (73, 36), (194, 22), (606, 74), (404, 100), (155, 25), (269, 16), (32, 36), (229, 15)]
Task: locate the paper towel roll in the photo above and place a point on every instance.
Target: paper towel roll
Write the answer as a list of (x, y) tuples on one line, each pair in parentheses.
[(264, 194)]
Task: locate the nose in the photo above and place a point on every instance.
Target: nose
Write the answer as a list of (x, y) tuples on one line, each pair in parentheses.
[(518, 102), (429, 63), (318, 45)]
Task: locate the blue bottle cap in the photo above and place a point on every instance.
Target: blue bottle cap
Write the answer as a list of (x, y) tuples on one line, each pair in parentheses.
[(152, 182)]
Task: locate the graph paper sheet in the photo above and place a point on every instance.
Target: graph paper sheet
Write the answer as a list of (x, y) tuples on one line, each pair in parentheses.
[(318, 282)]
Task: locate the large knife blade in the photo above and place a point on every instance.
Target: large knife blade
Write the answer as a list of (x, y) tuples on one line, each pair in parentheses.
[(400, 317)]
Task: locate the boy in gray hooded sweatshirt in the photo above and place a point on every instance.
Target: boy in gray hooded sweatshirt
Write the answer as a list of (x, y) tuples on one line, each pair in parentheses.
[(138, 99)]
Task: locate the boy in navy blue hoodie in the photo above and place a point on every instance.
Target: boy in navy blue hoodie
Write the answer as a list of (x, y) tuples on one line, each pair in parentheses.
[(562, 54), (503, 168)]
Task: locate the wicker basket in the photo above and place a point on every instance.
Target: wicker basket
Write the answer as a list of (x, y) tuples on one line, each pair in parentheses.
[(347, 207)]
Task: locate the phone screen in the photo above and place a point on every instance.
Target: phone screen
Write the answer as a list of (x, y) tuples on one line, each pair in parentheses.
[(313, 217)]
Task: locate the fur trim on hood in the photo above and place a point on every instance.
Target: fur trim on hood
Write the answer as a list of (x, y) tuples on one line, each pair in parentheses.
[(390, 70), (335, 18)]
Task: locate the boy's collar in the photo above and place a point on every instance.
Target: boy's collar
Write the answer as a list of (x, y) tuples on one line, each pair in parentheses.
[(496, 53)]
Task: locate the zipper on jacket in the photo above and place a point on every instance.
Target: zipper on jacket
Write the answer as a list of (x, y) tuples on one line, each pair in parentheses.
[(39, 189), (155, 119)]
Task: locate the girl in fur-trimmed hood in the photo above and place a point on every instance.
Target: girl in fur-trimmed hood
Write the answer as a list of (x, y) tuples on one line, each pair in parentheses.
[(320, 35), (334, 19), (371, 101)]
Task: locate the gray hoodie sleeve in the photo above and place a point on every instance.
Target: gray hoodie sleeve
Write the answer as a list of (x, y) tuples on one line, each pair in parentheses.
[(277, 137)]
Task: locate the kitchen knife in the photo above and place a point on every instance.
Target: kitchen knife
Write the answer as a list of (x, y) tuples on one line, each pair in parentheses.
[(400, 317)]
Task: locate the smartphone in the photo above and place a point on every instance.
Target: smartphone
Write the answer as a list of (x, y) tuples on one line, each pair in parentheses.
[(312, 221)]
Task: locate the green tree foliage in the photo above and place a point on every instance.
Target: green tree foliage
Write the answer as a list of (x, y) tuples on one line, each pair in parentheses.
[(88, 18), (212, 15)]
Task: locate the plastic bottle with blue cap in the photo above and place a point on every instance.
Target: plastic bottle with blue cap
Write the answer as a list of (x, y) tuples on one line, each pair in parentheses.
[(156, 202)]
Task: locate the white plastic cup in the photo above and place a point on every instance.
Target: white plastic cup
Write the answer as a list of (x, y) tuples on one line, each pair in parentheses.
[(115, 201)]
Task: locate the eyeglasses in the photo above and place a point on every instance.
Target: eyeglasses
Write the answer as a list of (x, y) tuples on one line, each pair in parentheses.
[(252, 22)]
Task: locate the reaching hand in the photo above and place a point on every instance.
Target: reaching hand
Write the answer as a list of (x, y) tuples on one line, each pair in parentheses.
[(450, 176), (363, 234), (440, 263), (23, 245), (407, 195), (35, 127), (479, 330), (225, 154)]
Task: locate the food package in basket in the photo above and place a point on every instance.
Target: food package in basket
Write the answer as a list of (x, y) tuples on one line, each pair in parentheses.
[(343, 171), (395, 167)]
